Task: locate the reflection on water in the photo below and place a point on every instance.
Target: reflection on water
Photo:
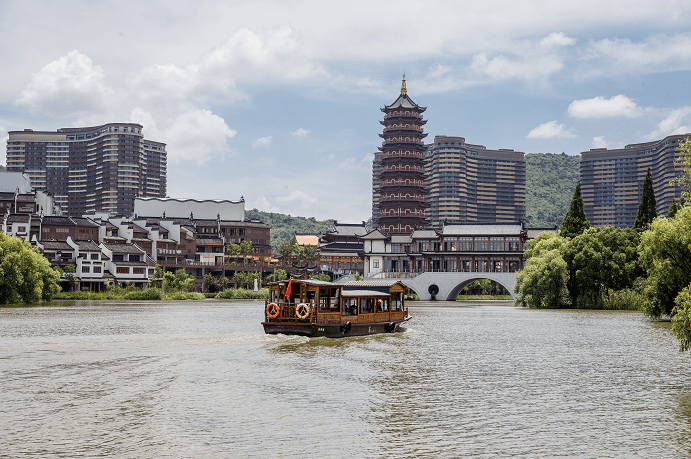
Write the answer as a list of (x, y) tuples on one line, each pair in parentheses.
[(469, 380)]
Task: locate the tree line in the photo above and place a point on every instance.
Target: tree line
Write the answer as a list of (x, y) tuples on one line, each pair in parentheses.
[(647, 267)]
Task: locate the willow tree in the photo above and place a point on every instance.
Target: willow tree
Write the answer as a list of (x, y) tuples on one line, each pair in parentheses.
[(646, 207), (25, 275), (575, 221)]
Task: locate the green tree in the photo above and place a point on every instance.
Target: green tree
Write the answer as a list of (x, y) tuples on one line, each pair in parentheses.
[(158, 274), (210, 282), (240, 279), (180, 281), (322, 277), (575, 221), (25, 275), (673, 208), (309, 253), (681, 319), (684, 162), (245, 249), (233, 250), (598, 260), (280, 275), (70, 278), (665, 254), (286, 251), (542, 283), (646, 207)]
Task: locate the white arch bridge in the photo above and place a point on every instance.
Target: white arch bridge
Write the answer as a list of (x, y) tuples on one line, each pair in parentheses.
[(449, 285)]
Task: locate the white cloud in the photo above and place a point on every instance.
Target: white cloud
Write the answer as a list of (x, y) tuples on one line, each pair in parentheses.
[(300, 132), (298, 199), (657, 53), (556, 39), (196, 135), (438, 71), (672, 124), (550, 130), (599, 142), (599, 107), (68, 84), (262, 142), (524, 68), (264, 204)]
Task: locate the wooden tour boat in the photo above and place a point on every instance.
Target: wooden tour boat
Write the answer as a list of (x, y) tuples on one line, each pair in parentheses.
[(317, 308)]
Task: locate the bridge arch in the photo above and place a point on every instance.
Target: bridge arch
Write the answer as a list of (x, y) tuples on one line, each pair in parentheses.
[(450, 284)]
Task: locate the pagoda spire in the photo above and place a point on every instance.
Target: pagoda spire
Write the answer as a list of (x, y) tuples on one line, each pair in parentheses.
[(404, 91)]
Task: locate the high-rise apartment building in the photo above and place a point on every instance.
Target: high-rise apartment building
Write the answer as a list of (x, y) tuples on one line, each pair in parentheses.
[(612, 180), (469, 183), (402, 186), (91, 169)]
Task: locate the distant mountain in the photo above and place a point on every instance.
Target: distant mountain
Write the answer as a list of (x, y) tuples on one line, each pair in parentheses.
[(550, 183), (284, 227)]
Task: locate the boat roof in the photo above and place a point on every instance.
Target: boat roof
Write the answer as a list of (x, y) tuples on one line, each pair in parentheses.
[(307, 281), (361, 293)]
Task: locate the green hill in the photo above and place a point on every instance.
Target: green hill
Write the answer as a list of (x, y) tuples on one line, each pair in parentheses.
[(283, 227), (550, 183)]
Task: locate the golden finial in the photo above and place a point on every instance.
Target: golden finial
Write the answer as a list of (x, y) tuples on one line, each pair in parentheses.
[(403, 89)]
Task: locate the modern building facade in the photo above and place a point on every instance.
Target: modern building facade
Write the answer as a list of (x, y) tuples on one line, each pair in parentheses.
[(471, 184), (91, 169), (612, 180), (402, 206)]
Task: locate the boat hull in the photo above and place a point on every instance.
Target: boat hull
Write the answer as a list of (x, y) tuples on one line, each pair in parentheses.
[(331, 330)]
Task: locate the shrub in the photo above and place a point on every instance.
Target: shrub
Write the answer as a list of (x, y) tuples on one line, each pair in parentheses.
[(243, 294)]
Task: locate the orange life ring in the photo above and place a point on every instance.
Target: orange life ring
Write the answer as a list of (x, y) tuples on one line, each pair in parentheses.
[(302, 310), (272, 310)]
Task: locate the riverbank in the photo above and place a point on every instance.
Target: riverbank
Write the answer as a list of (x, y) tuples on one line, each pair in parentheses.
[(156, 294)]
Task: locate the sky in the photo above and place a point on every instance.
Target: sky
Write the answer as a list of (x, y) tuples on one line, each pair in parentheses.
[(279, 101)]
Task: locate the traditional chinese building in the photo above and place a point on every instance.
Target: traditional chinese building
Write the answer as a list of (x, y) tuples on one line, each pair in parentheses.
[(402, 206)]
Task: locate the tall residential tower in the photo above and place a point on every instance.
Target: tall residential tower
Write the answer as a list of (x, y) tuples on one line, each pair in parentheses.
[(471, 184), (91, 169), (612, 180), (402, 206)]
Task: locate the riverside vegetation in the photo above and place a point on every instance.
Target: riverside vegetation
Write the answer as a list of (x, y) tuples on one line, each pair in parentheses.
[(646, 268)]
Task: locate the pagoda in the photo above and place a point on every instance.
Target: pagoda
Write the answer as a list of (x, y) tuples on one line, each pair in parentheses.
[(402, 206)]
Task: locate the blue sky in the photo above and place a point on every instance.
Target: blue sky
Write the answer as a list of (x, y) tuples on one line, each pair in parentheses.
[(278, 101)]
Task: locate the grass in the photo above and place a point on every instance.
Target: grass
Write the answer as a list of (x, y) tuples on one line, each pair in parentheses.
[(483, 297)]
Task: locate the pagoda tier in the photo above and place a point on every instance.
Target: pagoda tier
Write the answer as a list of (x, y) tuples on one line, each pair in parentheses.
[(402, 206)]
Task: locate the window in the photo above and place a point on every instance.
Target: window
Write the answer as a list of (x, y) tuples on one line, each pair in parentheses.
[(97, 269), (86, 269), (94, 256), (137, 270), (123, 270), (375, 263)]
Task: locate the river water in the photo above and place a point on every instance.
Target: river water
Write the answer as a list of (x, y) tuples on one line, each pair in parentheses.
[(200, 379)]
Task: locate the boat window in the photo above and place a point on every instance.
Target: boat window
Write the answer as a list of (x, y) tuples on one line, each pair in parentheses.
[(367, 305), (311, 297), (349, 306), (396, 303)]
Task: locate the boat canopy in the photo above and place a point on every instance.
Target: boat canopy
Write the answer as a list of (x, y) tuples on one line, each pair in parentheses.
[(361, 293)]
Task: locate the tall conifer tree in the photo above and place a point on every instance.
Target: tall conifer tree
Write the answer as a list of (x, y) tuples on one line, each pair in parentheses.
[(673, 208), (646, 208), (575, 221)]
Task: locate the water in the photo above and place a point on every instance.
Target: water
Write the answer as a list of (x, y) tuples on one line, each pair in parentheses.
[(200, 379)]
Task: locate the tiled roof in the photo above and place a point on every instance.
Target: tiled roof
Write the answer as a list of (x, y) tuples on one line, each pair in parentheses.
[(202, 222), (84, 222), (57, 221), (374, 234), (139, 239), (329, 253), (137, 228), (424, 233), (123, 248), (6, 196), (371, 283), (89, 246), (341, 229), (342, 246), (26, 198), (401, 239), (56, 245), (18, 218)]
